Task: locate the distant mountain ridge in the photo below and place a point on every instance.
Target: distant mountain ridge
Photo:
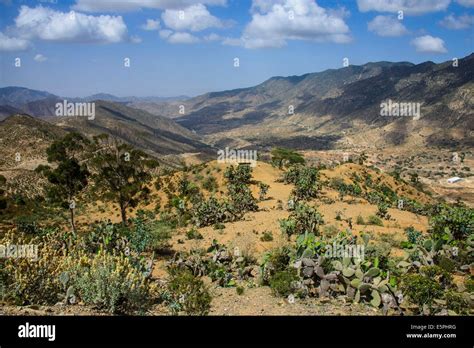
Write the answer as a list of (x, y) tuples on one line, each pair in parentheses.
[(329, 109), (341, 107), (40, 103)]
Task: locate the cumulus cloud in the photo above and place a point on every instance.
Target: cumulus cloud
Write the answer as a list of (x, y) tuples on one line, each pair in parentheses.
[(466, 3), (193, 18), (387, 26), (135, 5), (411, 7), (457, 23), (165, 33), (275, 22), (40, 58), (182, 38), (50, 25), (42, 23), (429, 44), (151, 24), (8, 43)]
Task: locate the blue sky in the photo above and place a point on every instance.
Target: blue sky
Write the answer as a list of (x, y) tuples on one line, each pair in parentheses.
[(188, 47)]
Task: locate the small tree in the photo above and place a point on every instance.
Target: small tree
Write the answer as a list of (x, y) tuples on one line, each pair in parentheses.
[(362, 158), (286, 157), (70, 176), (121, 172)]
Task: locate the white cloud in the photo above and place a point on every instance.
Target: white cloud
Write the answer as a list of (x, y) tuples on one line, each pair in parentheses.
[(151, 24), (410, 7), (429, 44), (135, 39), (8, 43), (135, 5), (165, 33), (193, 18), (212, 37), (40, 58), (387, 26), (275, 22), (457, 23), (182, 38), (50, 25), (466, 3)]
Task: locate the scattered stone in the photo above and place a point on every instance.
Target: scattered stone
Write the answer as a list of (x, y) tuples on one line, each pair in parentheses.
[(308, 262), (308, 272)]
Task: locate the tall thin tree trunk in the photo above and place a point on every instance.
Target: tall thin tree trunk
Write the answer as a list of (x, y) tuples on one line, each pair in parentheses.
[(123, 211), (71, 211)]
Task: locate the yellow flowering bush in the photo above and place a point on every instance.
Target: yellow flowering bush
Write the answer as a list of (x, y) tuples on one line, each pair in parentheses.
[(29, 280), (110, 282)]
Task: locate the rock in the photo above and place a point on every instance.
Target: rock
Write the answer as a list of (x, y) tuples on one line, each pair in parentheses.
[(255, 271), (240, 259), (308, 272), (297, 264), (308, 282), (465, 267), (308, 262)]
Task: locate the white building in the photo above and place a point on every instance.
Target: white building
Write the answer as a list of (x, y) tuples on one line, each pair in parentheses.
[(454, 180)]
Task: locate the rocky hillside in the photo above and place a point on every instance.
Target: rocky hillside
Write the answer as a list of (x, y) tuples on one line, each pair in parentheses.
[(155, 134), (340, 108)]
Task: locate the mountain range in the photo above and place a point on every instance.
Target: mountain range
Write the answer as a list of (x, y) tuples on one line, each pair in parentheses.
[(337, 108)]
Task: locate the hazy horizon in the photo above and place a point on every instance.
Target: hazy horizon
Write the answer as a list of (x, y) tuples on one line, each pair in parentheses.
[(187, 47)]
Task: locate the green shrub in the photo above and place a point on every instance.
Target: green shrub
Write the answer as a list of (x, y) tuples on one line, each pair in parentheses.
[(267, 237), (457, 302), (413, 235), (285, 157), (360, 220), (282, 282), (187, 293), (382, 211), (303, 219), (110, 282), (374, 220), (210, 184), (210, 212), (193, 233), (457, 221), (306, 181), (421, 289)]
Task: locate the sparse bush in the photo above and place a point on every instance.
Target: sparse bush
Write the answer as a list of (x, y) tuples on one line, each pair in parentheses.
[(421, 290), (29, 281), (210, 212), (457, 221), (306, 181), (282, 282), (263, 190), (187, 293), (457, 302), (285, 157), (110, 282), (210, 184), (413, 235), (304, 219), (267, 237), (374, 220), (360, 220), (193, 234)]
